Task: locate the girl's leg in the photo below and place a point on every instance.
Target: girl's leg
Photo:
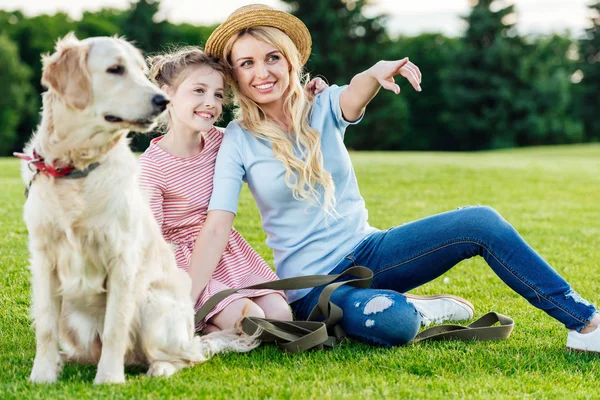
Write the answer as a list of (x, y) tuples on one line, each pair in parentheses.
[(210, 328), (274, 306), (408, 256), (236, 310)]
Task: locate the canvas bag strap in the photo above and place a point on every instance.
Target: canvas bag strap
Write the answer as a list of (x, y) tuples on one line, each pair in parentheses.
[(365, 276), (484, 328), (297, 336)]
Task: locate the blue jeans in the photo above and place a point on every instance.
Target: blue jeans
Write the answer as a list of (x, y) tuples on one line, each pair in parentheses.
[(408, 256)]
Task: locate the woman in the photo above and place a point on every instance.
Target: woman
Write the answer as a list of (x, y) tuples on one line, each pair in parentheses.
[(289, 149)]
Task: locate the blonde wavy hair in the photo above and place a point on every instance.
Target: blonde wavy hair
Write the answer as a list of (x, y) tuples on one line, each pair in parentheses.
[(170, 68), (304, 174)]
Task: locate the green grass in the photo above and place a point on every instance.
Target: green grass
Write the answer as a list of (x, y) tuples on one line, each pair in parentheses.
[(549, 194)]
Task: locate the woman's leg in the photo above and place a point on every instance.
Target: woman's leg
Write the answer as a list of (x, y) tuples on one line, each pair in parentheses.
[(274, 306), (374, 316), (410, 255)]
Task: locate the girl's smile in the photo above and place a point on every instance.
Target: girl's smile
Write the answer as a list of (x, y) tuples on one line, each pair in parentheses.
[(198, 101)]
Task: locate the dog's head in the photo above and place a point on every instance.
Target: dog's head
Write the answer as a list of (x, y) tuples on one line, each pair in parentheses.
[(104, 78)]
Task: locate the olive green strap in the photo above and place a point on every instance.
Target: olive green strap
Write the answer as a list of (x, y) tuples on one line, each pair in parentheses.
[(297, 336), (302, 282), (333, 313), (484, 328), (292, 336), (300, 336)]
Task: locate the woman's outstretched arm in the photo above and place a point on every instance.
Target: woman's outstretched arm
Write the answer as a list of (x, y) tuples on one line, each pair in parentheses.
[(364, 86)]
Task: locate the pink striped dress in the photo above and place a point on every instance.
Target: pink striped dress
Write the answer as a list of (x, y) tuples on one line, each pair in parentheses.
[(179, 191)]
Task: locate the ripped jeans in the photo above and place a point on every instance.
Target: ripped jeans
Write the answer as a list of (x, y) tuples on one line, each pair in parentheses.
[(405, 257)]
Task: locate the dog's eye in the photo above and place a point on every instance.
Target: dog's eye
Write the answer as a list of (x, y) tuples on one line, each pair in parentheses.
[(116, 69)]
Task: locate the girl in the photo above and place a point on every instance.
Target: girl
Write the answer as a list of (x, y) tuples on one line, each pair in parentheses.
[(177, 172), (290, 151)]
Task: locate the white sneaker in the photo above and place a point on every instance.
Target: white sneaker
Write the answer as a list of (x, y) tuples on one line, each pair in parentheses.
[(584, 341), (441, 307)]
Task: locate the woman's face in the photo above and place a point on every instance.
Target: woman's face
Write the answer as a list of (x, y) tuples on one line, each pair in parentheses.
[(198, 101), (261, 71)]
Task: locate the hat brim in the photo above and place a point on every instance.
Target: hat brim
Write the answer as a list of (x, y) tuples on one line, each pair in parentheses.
[(289, 24)]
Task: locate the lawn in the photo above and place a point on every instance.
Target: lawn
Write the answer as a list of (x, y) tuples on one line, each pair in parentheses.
[(549, 194)]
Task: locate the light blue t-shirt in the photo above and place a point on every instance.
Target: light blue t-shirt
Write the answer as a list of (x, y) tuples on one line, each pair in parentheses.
[(305, 240)]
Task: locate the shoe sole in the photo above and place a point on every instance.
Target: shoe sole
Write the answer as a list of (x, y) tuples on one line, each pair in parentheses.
[(443, 296), (581, 350)]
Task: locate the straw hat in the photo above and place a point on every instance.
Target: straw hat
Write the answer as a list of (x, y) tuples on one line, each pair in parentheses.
[(260, 15)]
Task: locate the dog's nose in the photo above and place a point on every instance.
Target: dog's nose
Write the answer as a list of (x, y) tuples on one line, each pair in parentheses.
[(159, 102)]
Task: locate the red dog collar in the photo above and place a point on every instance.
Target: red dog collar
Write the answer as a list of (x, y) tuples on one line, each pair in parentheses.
[(37, 162)]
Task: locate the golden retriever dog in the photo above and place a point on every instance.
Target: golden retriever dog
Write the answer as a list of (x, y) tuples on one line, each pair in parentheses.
[(105, 284)]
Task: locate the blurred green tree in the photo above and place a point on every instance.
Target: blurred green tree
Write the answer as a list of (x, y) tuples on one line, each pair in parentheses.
[(345, 42), (487, 89), (16, 92), (481, 88), (505, 91), (434, 54), (105, 22), (185, 35), (142, 27), (34, 36), (589, 87), (546, 94)]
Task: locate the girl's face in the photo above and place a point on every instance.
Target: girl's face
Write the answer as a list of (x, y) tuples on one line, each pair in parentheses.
[(198, 101), (261, 71)]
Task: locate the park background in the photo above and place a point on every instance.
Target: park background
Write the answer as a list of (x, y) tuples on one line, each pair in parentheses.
[(488, 86), (506, 119)]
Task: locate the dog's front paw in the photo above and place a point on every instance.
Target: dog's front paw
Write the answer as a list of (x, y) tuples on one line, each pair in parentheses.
[(111, 374), (103, 378), (161, 368), (45, 370)]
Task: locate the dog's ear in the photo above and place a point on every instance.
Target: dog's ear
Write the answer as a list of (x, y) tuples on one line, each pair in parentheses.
[(67, 74)]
